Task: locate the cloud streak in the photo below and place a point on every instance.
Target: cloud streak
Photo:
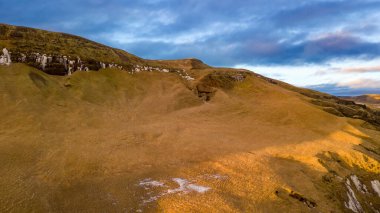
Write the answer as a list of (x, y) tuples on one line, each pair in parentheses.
[(362, 83), (362, 69)]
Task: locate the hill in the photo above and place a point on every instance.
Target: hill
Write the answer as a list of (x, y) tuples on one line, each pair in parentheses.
[(23, 39), (192, 138), (372, 100)]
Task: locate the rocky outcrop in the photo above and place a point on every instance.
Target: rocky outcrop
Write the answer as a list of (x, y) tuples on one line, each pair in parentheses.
[(205, 92), (55, 64), (5, 58), (335, 105), (208, 85), (349, 109), (287, 193), (353, 183)]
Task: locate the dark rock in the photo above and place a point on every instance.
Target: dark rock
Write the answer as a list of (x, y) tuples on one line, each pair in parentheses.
[(308, 202), (205, 92), (205, 89), (347, 111), (333, 111)]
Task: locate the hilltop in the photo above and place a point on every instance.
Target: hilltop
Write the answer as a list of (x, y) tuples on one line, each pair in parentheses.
[(174, 136), (28, 40), (24, 40)]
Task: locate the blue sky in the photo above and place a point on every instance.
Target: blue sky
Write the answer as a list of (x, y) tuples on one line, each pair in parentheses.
[(330, 45)]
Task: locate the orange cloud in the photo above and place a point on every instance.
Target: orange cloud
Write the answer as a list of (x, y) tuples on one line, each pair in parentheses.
[(362, 69), (361, 83)]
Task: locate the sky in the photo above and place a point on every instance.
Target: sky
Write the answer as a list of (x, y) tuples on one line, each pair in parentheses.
[(328, 45)]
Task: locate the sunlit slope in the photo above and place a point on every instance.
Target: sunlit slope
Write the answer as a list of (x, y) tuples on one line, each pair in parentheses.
[(97, 141)]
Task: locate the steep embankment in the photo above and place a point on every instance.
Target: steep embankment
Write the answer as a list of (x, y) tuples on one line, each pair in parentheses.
[(229, 140)]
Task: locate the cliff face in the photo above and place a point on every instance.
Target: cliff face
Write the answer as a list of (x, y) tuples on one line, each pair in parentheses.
[(176, 136)]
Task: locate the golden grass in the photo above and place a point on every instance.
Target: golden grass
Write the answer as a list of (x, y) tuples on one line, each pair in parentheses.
[(82, 144)]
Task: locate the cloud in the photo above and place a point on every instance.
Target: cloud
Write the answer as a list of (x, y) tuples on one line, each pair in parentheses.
[(253, 31), (362, 83), (313, 13), (337, 90), (290, 34), (181, 38), (362, 69), (320, 50)]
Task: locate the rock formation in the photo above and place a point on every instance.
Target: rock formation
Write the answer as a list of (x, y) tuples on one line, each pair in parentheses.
[(5, 58)]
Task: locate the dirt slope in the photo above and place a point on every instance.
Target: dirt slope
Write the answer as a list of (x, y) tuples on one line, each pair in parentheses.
[(112, 141)]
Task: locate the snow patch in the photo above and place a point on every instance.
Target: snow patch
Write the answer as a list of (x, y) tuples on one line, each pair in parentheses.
[(147, 183), (199, 189), (182, 186), (185, 187), (215, 176)]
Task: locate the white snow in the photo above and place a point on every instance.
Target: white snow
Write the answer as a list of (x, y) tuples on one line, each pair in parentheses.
[(376, 186), (184, 187), (199, 189), (215, 176), (146, 183)]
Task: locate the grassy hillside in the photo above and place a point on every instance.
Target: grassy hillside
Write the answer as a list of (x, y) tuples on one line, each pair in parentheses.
[(226, 141), (97, 141), (27, 40)]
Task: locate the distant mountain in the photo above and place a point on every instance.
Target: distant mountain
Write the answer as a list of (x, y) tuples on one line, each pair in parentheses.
[(337, 90), (371, 99), (89, 128)]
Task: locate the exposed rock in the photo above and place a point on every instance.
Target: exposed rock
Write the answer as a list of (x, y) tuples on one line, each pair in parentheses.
[(283, 193), (43, 61), (202, 88), (238, 77), (343, 108), (5, 58), (359, 186), (309, 203), (205, 92), (352, 202), (347, 111), (333, 111), (376, 186)]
